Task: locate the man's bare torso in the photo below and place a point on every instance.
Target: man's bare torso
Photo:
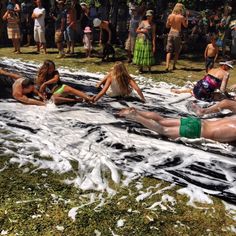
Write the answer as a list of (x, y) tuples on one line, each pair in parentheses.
[(175, 22)]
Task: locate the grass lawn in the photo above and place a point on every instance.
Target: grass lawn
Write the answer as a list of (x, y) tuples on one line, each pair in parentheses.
[(38, 202), (189, 67)]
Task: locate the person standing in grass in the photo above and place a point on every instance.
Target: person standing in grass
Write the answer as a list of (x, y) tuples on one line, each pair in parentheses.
[(39, 26), (133, 25), (60, 21), (211, 54), (175, 21), (13, 29), (69, 33), (145, 45), (87, 40)]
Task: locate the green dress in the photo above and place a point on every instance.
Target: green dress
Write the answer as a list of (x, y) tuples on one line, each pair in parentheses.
[(143, 55)]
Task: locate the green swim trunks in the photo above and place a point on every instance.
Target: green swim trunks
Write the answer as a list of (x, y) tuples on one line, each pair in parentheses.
[(190, 127), (59, 90)]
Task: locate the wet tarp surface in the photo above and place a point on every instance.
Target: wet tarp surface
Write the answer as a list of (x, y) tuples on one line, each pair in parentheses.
[(94, 137)]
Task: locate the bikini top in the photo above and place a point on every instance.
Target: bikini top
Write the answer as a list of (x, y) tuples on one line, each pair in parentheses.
[(212, 82)]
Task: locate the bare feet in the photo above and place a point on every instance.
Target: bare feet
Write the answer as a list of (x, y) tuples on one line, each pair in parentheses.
[(128, 112), (197, 109)]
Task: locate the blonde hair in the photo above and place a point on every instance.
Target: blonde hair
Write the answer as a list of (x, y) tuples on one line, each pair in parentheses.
[(122, 77), (179, 8)]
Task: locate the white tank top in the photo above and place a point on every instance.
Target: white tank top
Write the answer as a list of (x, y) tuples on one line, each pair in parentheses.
[(114, 90)]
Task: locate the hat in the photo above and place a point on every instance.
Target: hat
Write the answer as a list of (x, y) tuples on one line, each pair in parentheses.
[(83, 4), (87, 29), (10, 7), (60, 2), (227, 63), (149, 13), (96, 22)]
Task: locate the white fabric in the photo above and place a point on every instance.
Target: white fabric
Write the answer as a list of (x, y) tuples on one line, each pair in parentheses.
[(40, 21)]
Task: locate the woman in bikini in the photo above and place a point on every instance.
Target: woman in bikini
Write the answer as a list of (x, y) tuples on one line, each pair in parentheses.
[(216, 78), (49, 84)]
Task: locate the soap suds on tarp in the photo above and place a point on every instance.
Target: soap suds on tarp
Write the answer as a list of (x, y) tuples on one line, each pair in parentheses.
[(99, 142)]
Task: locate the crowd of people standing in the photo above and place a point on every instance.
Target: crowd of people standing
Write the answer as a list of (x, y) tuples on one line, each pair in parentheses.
[(137, 28)]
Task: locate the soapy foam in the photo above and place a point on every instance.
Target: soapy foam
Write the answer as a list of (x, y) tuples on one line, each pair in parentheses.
[(99, 142)]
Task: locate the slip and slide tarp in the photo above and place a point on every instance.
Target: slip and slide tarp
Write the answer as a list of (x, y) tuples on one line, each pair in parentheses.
[(94, 137)]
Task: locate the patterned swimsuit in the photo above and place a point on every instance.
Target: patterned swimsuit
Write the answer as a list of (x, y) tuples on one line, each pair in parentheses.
[(205, 88)]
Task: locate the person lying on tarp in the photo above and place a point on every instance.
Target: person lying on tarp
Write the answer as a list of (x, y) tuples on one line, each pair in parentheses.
[(221, 130), (14, 85), (118, 83), (49, 84)]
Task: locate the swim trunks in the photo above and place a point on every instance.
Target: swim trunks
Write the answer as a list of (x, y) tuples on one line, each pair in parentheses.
[(209, 62), (190, 127), (60, 90), (173, 42)]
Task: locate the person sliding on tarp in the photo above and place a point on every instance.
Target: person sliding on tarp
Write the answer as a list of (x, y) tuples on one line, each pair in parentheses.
[(19, 88), (222, 130)]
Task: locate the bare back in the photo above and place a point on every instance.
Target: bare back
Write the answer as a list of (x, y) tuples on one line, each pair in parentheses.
[(219, 73), (222, 130), (175, 22)]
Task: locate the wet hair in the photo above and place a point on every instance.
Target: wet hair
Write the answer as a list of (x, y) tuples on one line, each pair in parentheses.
[(179, 9), (27, 82), (43, 72), (121, 75)]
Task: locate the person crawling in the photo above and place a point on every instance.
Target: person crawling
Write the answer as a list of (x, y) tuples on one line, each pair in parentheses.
[(20, 88), (221, 130)]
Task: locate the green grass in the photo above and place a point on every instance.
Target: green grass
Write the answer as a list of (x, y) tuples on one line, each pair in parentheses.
[(189, 67), (37, 202)]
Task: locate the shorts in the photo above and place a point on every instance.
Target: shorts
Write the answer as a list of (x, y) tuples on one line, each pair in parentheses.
[(209, 63), (58, 37), (69, 34), (13, 33), (173, 42), (130, 43), (190, 127), (59, 90), (39, 34)]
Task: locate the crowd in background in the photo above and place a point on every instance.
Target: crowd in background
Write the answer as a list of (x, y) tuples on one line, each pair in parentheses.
[(71, 22)]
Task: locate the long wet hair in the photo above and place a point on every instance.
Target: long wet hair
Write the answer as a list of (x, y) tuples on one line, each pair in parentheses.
[(179, 8), (122, 77), (43, 72)]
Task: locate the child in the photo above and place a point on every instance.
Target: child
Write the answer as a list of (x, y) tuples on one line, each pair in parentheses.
[(87, 41), (211, 54), (118, 83)]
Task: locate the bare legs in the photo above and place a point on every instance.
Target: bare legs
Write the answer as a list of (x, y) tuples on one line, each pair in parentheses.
[(175, 60), (153, 121), (43, 45), (16, 45), (168, 58), (59, 99), (225, 104)]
